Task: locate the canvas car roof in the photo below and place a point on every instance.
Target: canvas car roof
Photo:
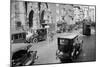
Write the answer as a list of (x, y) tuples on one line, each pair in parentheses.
[(68, 35)]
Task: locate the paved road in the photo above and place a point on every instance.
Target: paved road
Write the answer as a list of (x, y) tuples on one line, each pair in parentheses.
[(47, 50), (89, 49)]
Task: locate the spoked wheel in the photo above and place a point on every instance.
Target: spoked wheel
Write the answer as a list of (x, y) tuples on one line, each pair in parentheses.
[(34, 40), (57, 52)]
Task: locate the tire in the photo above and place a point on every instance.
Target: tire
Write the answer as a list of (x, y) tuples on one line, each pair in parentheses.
[(34, 40)]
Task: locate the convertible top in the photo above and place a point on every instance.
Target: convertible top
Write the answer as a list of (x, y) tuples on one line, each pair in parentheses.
[(68, 35)]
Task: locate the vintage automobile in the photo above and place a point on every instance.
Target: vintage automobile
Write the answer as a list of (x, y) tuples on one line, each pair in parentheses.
[(69, 47), (39, 35), (31, 37), (22, 55)]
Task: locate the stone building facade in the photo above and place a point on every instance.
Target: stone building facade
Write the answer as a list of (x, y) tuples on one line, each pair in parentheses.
[(18, 20), (18, 15), (33, 6)]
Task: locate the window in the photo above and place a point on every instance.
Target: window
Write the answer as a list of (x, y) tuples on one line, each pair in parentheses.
[(16, 36), (63, 42), (18, 24)]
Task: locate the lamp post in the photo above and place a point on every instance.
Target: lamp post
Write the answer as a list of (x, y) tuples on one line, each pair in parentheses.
[(47, 27)]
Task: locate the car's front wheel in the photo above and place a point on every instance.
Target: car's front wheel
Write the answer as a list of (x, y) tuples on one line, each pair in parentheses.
[(34, 40)]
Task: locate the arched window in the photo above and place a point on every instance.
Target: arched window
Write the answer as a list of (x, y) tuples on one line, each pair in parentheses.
[(31, 18), (18, 24)]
